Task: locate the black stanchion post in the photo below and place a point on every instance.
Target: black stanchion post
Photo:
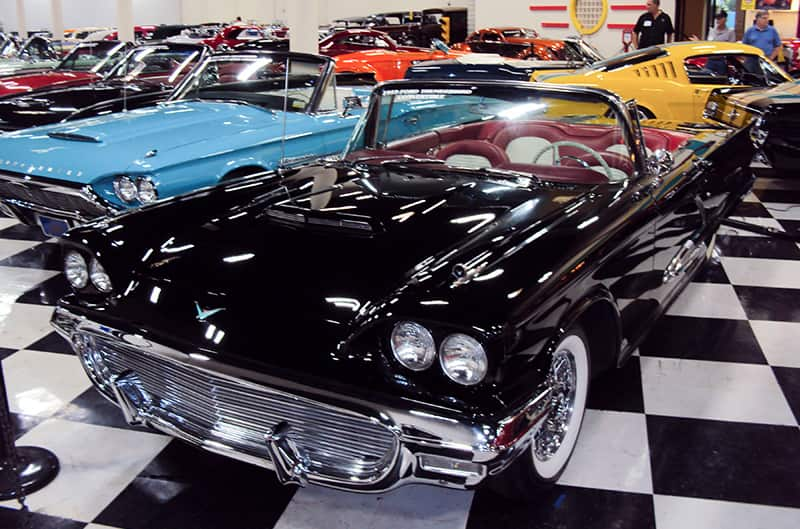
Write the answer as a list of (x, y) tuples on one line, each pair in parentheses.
[(23, 469)]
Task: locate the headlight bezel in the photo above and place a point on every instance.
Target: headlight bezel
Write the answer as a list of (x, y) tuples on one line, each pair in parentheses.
[(74, 254), (132, 190), (481, 359)]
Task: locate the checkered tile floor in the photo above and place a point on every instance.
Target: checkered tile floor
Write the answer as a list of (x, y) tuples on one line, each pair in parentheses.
[(698, 431)]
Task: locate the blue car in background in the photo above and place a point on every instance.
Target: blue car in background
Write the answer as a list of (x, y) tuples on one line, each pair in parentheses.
[(237, 114)]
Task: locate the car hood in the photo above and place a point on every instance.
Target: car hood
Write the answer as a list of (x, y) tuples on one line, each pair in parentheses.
[(22, 83), (80, 151), (323, 261)]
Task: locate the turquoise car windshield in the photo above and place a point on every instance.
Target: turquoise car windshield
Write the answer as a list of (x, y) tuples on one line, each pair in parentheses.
[(272, 82)]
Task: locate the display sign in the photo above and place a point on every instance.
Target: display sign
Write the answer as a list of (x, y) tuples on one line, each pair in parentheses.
[(748, 4)]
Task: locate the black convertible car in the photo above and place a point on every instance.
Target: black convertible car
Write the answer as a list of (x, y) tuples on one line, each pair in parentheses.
[(431, 308), (774, 114), (146, 76)]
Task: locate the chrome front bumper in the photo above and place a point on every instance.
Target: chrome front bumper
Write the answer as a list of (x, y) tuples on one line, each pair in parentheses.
[(25, 197), (304, 434)]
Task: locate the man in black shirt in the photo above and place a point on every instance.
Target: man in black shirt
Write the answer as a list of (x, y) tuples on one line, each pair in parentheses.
[(653, 27)]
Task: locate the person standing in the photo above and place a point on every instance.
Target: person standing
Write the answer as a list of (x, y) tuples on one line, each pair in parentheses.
[(720, 31), (763, 36), (653, 27)]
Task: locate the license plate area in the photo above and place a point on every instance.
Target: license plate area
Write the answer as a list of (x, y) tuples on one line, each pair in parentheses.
[(53, 227)]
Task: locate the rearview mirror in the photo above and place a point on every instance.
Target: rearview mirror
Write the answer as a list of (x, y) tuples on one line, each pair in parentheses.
[(351, 102), (660, 162)]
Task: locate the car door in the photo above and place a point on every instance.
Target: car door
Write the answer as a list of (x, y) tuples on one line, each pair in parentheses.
[(697, 185)]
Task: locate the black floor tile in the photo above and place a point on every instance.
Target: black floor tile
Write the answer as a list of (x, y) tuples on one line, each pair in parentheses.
[(563, 508), (45, 256), (776, 304), (751, 209), (5, 353), (47, 292), (52, 343), (703, 339), (777, 195), (730, 461), (619, 389), (14, 518), (789, 380), (91, 407), (712, 273), (759, 247), (185, 487), (791, 226), (23, 233), (23, 423)]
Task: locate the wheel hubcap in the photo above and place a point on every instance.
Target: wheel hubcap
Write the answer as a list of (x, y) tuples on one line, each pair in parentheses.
[(562, 379)]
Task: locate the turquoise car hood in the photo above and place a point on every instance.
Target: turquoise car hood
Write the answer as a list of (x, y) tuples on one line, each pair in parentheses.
[(81, 151)]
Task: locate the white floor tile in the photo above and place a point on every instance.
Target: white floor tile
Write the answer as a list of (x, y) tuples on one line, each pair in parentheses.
[(9, 247), (776, 183), (97, 463), (21, 324), (98, 526), (6, 222), (412, 507), (673, 512), (760, 221), (612, 453), (708, 300), (779, 341), (40, 383), (775, 273), (750, 197), (15, 281), (713, 390), (783, 211)]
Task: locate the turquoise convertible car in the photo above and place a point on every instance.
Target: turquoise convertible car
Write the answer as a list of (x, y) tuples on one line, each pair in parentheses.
[(235, 115)]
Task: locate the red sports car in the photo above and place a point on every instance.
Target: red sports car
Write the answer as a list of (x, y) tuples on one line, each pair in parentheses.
[(353, 40), (234, 35), (86, 63)]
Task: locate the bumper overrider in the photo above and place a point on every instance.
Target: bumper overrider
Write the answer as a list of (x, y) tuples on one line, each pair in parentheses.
[(304, 434), (27, 197)]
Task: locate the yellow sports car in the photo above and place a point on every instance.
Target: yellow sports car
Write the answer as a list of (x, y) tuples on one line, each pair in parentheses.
[(673, 81)]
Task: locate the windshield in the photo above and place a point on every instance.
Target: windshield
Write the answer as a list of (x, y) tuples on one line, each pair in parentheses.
[(7, 47), (259, 80), (545, 133), (97, 57), (159, 64), (521, 33)]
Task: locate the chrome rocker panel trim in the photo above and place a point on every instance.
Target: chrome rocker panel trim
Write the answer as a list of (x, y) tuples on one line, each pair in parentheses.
[(429, 448)]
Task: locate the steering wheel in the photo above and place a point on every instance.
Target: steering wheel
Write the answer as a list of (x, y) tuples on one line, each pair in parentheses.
[(565, 143)]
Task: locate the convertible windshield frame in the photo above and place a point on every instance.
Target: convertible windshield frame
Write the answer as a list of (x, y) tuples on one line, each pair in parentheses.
[(365, 136), (185, 89), (108, 47), (196, 54)]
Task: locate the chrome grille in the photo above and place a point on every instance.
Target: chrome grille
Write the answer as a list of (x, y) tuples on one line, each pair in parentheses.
[(52, 196), (238, 414)]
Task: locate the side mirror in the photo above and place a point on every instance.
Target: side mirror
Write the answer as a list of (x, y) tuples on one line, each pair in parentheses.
[(351, 102), (660, 162)]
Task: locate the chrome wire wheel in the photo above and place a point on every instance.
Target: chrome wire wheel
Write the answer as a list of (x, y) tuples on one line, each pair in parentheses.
[(555, 440)]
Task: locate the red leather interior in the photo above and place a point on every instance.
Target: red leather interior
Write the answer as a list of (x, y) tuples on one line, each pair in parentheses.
[(494, 154)]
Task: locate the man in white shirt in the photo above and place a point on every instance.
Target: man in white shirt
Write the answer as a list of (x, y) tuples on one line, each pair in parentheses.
[(720, 30)]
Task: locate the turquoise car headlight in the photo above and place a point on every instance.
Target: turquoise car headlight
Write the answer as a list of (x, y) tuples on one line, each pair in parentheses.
[(125, 189), (146, 190)]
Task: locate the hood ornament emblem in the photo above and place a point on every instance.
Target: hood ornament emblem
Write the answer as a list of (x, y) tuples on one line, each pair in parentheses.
[(151, 153), (203, 315)]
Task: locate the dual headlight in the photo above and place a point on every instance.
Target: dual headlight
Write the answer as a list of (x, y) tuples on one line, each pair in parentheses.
[(79, 273), (758, 133), (140, 190), (461, 356)]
